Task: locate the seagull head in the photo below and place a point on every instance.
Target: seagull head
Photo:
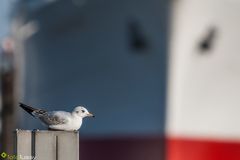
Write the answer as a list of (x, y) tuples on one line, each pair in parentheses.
[(82, 112)]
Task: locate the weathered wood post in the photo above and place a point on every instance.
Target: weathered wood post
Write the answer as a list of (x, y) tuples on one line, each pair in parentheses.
[(46, 145), (8, 95)]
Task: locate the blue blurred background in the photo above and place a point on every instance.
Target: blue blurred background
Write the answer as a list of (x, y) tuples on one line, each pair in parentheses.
[(162, 77), (109, 56)]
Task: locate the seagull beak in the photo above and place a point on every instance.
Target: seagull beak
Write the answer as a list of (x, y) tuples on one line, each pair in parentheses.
[(90, 115)]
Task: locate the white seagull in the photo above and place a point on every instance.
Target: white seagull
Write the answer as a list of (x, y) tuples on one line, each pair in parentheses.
[(59, 120)]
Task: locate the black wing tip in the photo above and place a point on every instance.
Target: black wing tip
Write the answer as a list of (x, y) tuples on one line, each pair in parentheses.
[(24, 106), (27, 108), (20, 104)]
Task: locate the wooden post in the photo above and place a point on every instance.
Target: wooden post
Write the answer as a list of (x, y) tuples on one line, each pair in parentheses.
[(8, 97), (46, 145)]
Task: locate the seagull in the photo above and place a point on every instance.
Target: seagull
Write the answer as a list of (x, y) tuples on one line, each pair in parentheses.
[(59, 120)]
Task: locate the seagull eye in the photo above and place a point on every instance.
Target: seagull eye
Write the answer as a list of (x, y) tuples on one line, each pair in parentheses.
[(77, 111), (83, 111)]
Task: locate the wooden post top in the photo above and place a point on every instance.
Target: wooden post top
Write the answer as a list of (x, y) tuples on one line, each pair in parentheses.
[(47, 145)]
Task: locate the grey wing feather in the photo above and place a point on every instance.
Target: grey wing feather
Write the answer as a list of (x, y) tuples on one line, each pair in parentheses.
[(39, 112), (54, 118)]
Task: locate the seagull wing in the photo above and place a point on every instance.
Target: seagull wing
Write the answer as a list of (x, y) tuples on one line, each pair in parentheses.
[(48, 118), (35, 112), (55, 118)]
